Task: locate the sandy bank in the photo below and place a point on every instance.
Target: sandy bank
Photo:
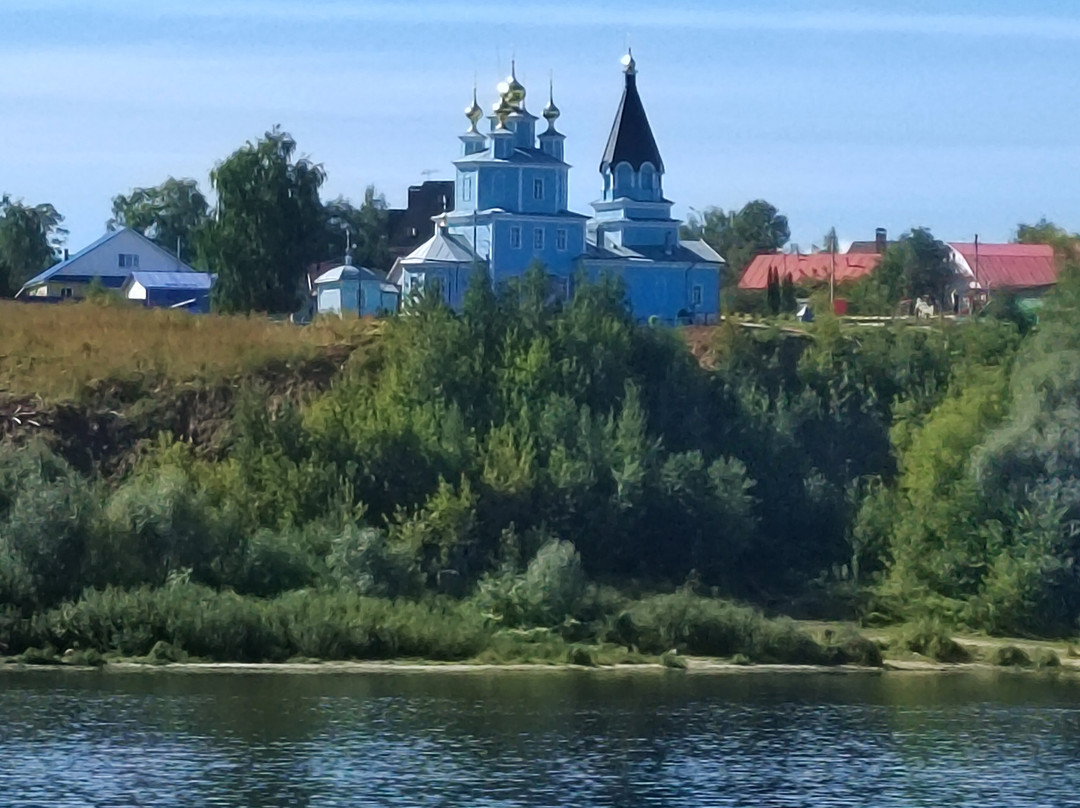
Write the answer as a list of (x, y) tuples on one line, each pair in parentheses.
[(695, 666)]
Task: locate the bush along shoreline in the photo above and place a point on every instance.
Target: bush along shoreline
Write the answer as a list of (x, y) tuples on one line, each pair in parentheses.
[(534, 480), (187, 622)]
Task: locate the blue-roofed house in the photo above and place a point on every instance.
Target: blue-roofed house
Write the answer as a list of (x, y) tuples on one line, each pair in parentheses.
[(511, 212), (111, 261), (189, 291)]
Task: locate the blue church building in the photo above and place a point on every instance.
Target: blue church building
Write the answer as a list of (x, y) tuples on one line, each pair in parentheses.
[(511, 212)]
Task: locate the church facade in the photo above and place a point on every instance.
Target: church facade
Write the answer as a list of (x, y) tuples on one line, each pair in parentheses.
[(511, 212)]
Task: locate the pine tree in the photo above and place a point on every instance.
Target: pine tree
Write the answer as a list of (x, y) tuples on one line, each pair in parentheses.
[(788, 303), (772, 291)]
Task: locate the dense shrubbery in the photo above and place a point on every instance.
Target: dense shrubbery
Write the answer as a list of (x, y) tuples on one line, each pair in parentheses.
[(981, 530), (181, 620), (494, 475)]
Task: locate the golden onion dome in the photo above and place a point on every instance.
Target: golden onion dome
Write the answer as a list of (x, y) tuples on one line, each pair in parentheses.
[(473, 111), (502, 110), (551, 112), (512, 89)]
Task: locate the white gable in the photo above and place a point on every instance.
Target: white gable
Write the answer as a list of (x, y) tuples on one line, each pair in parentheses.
[(120, 255), (114, 256)]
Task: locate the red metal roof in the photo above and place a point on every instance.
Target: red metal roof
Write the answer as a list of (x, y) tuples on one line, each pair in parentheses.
[(1011, 266), (812, 267)]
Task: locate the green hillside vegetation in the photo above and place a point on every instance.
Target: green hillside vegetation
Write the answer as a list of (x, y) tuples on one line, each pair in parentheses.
[(538, 481)]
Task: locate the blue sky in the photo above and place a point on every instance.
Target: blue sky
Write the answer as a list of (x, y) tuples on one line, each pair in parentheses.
[(954, 114)]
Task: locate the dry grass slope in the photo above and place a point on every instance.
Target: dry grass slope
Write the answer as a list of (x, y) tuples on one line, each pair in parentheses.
[(57, 352)]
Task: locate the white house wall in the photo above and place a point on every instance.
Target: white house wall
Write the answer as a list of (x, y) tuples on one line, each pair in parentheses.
[(104, 260)]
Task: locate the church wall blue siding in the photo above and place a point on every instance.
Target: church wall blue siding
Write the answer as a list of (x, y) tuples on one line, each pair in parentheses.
[(465, 190), (498, 187), (508, 259), (665, 290)]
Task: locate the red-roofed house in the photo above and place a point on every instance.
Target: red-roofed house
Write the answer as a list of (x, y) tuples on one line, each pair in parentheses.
[(1017, 267), (1024, 268), (804, 269)]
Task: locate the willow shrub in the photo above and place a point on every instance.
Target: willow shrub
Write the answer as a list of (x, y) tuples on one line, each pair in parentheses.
[(47, 521), (225, 626), (692, 624)]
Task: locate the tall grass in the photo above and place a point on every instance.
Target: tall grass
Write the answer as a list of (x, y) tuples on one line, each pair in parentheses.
[(56, 351), (224, 626), (182, 619)]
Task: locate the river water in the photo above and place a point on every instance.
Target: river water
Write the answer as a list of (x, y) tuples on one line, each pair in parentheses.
[(547, 738)]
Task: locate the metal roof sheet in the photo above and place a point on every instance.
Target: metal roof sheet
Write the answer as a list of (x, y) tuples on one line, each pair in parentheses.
[(1010, 266), (350, 271), (442, 248), (173, 280), (809, 267), (519, 155), (685, 252)]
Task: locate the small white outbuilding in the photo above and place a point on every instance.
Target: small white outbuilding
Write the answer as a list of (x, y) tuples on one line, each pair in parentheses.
[(358, 291)]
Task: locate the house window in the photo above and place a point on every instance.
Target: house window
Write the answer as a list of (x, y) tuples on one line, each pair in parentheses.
[(66, 293), (466, 189), (538, 188), (560, 239), (538, 238), (559, 288), (515, 237), (696, 295), (128, 261)]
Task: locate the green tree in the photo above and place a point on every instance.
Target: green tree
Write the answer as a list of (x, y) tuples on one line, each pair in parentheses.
[(788, 302), (30, 238), (918, 265), (740, 235), (367, 228), (169, 214), (772, 291), (266, 226)]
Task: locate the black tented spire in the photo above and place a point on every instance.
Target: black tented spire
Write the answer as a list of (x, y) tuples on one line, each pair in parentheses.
[(631, 139)]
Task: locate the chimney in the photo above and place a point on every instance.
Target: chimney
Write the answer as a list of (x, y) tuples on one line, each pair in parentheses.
[(881, 240)]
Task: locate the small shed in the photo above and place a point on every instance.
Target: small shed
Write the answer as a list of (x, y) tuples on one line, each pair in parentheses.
[(337, 291), (355, 290), (170, 290)]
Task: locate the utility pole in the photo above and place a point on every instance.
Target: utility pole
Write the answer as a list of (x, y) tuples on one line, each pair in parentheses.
[(832, 269), (978, 288)]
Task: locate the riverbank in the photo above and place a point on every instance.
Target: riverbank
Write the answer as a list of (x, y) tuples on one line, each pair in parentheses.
[(694, 667), (985, 654)]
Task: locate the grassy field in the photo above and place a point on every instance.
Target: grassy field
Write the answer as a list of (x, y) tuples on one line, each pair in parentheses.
[(56, 352)]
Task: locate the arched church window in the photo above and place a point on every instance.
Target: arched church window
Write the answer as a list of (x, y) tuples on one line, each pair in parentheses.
[(624, 175), (648, 174)]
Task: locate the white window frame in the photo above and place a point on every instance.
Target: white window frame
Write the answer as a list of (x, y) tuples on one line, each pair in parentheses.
[(515, 237), (697, 294), (66, 293), (128, 260), (561, 237), (538, 188), (466, 189), (538, 238)]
